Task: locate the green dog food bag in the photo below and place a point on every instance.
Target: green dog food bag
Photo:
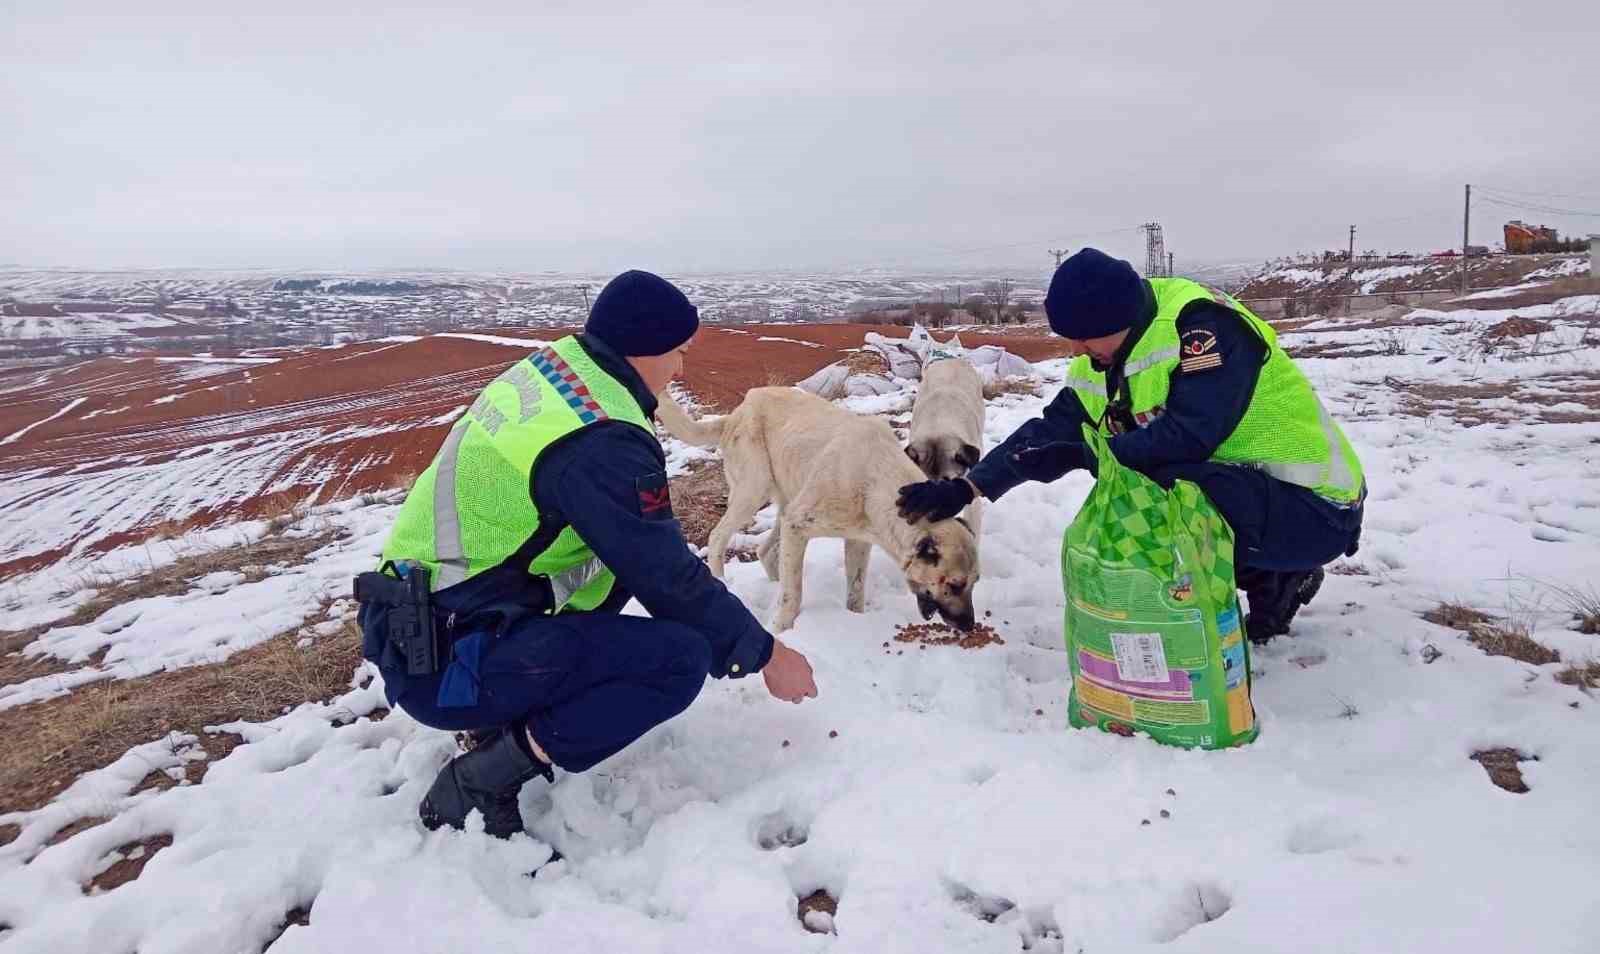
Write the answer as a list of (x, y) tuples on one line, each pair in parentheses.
[(1153, 629)]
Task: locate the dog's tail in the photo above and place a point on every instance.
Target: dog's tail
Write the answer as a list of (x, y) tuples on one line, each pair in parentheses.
[(685, 428)]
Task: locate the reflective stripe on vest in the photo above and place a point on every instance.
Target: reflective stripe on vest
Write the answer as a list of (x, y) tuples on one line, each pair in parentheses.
[(446, 519), (470, 510), (564, 584)]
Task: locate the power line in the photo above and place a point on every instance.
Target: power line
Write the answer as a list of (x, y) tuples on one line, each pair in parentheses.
[(1535, 207), (1547, 195)]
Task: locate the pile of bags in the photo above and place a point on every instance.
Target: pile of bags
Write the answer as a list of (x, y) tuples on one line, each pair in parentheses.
[(902, 360)]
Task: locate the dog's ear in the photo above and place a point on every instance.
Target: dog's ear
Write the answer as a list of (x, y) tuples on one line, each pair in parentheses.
[(928, 550), (968, 456), (915, 453)]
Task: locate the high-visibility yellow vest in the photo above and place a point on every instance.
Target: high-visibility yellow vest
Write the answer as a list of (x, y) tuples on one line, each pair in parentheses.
[(472, 509), (1285, 431)]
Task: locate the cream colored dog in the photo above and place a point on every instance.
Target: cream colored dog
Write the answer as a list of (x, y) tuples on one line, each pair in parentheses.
[(947, 425), (832, 474)]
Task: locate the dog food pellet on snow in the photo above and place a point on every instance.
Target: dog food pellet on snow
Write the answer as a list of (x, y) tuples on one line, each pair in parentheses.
[(938, 634)]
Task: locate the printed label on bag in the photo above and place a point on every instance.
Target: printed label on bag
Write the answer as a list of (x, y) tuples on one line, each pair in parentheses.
[(1140, 657)]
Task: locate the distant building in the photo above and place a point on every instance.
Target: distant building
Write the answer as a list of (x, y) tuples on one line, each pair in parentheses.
[(1522, 238)]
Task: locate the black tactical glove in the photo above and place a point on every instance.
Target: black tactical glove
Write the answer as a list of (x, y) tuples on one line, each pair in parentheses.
[(1052, 461), (934, 499)]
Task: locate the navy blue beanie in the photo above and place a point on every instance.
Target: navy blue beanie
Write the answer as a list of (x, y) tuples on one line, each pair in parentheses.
[(638, 313), (1093, 295)]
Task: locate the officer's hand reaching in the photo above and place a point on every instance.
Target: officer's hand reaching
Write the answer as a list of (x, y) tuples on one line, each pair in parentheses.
[(1051, 461), (934, 499), (788, 675)]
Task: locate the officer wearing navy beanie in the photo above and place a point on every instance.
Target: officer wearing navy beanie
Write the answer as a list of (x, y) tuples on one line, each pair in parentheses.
[(1284, 531), (544, 513)]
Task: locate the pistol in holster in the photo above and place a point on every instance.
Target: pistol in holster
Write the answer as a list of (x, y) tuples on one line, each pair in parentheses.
[(403, 589)]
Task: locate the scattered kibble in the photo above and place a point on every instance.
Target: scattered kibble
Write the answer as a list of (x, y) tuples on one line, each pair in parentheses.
[(1165, 813), (1145, 822), (1171, 792), (1038, 712), (786, 743), (938, 634), (833, 733)]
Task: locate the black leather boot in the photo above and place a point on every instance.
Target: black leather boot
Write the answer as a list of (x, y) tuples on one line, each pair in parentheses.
[(1275, 598), (487, 778)]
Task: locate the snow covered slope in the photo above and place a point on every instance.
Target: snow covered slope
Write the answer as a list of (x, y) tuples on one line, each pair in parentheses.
[(953, 810)]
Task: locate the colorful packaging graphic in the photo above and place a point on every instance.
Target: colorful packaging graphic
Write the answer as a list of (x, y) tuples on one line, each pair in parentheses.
[(1152, 624)]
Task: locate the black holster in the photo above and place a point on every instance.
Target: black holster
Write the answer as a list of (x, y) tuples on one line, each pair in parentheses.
[(409, 621)]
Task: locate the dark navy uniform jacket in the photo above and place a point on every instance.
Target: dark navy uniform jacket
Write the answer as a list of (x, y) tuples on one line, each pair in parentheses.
[(1203, 407), (606, 481)]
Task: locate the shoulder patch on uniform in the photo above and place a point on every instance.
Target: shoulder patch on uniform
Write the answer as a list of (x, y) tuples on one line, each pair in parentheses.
[(1197, 349), (655, 497)]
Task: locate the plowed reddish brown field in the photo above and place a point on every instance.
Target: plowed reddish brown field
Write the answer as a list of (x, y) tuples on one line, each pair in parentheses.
[(178, 442)]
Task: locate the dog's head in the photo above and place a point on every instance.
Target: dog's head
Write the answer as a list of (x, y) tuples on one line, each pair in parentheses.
[(943, 457), (942, 572)]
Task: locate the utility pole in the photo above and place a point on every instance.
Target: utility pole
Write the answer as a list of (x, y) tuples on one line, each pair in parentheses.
[(1155, 250), (1169, 264), (1466, 219), (1352, 253), (585, 299), (1057, 252)]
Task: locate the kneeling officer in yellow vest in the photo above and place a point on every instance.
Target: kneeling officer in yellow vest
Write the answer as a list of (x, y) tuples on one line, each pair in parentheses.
[(1188, 384), (544, 512)]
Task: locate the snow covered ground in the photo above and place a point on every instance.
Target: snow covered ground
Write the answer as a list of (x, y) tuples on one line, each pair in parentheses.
[(953, 810)]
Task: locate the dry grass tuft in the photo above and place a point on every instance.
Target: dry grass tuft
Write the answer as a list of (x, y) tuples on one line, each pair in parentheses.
[(699, 498), (1515, 327), (254, 560), (1513, 640), (866, 362), (1000, 386), (1584, 604), (1457, 616), (1585, 676), (51, 743), (1501, 764), (282, 511), (1496, 637)]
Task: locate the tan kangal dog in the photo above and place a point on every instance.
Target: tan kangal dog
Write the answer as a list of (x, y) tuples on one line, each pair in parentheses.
[(832, 474), (947, 425)]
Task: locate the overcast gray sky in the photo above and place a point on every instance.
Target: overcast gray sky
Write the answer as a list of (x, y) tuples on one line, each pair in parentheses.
[(702, 136)]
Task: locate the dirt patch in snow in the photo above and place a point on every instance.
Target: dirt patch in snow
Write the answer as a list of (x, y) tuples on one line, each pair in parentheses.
[(699, 498), (1501, 764), (49, 744), (818, 902), (127, 863), (1516, 327), (253, 560)]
